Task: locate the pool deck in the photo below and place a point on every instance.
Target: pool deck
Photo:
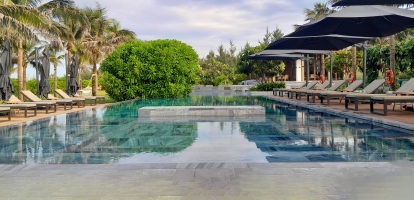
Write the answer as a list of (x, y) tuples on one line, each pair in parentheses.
[(18, 117), (334, 180), (398, 118), (209, 181)]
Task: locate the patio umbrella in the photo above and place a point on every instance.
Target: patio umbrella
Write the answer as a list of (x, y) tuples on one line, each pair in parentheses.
[(371, 2), (360, 21), (6, 86), (73, 84), (44, 68), (293, 51), (286, 57), (323, 42), (302, 51)]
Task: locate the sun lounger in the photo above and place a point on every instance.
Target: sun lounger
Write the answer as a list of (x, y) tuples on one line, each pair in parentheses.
[(386, 99), (79, 101), (33, 98), (6, 110), (368, 89), (308, 87), (300, 93), (87, 93), (317, 93), (21, 106), (66, 96), (282, 90), (406, 89), (40, 104)]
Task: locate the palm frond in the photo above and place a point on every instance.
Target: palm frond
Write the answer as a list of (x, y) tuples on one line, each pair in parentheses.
[(64, 11), (12, 28)]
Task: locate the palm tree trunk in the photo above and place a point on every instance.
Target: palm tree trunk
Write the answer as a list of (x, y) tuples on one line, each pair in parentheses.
[(20, 67), (323, 65), (69, 48), (392, 59), (79, 75), (24, 76), (314, 67), (55, 78), (94, 79), (354, 60)]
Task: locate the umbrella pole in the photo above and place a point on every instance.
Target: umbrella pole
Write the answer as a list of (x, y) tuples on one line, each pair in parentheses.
[(364, 46), (66, 72), (331, 74), (307, 69), (37, 72)]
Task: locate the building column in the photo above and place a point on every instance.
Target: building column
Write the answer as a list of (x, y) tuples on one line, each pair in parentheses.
[(299, 71)]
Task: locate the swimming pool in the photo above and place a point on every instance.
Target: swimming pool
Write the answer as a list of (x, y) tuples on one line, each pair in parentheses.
[(114, 135)]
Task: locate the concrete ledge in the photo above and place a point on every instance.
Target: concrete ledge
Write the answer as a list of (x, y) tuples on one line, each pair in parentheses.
[(166, 111), (198, 88), (259, 93), (257, 118)]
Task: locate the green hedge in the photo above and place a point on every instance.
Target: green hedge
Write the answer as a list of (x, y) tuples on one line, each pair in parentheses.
[(268, 86)]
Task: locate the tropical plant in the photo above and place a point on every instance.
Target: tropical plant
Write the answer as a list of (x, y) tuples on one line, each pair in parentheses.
[(341, 62), (268, 86)]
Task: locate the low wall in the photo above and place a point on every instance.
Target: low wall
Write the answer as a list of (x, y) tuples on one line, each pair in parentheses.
[(221, 88), (175, 111)]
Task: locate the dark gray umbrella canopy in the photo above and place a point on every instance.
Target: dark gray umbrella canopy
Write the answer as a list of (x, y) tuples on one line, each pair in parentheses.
[(285, 57), (294, 51), (371, 2), (44, 84), (323, 42), (6, 86), (362, 21), (73, 84)]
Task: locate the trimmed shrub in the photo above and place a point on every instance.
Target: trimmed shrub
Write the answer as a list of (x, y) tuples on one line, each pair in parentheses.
[(150, 69), (268, 86)]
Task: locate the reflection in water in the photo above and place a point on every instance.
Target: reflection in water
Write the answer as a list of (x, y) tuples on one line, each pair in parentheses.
[(113, 134)]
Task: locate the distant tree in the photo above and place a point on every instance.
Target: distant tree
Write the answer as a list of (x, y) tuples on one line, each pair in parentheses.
[(232, 55), (276, 34), (267, 38)]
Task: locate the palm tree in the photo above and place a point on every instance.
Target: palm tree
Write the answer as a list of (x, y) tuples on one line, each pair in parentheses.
[(104, 37), (55, 58), (65, 12), (20, 22), (320, 10), (84, 60)]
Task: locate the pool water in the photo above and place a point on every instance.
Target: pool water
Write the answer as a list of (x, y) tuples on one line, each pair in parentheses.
[(114, 135)]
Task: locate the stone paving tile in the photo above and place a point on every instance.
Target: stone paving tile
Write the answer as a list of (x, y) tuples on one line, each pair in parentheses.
[(329, 182)]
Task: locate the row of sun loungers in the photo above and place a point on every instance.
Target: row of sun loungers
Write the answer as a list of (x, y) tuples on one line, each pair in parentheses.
[(402, 95), (35, 103)]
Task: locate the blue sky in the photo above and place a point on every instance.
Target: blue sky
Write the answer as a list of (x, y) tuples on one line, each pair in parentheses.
[(202, 24)]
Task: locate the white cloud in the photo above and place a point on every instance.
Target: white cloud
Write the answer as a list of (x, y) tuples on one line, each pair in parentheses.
[(205, 24), (262, 4)]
